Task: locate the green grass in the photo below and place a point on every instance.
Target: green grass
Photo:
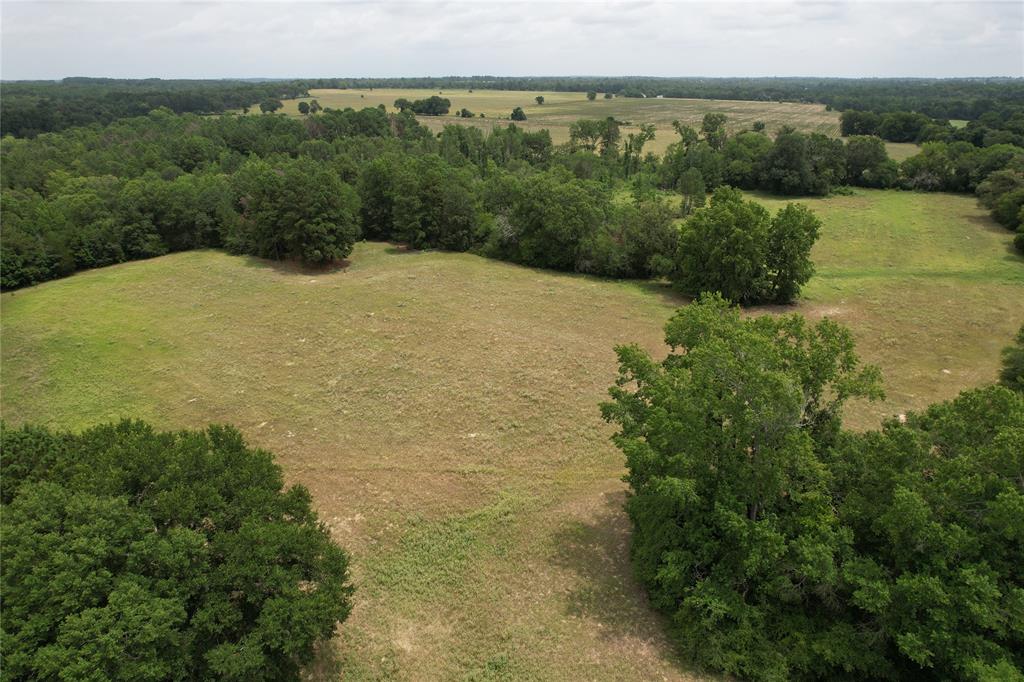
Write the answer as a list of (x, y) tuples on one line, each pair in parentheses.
[(561, 109), (442, 409)]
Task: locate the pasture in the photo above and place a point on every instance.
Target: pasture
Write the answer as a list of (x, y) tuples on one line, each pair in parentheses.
[(561, 109), (442, 409)]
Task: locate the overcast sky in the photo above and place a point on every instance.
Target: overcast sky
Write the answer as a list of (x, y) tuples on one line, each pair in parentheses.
[(322, 39)]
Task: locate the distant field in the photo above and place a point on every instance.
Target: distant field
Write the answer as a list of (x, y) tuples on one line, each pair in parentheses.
[(442, 408), (560, 109), (898, 151)]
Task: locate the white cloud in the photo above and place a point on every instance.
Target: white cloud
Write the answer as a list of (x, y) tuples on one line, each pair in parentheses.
[(276, 39)]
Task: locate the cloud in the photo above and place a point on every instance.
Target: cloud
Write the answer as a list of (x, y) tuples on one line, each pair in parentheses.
[(517, 37)]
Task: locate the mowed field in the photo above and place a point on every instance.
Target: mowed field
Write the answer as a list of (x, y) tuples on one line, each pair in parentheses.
[(442, 409), (561, 109)]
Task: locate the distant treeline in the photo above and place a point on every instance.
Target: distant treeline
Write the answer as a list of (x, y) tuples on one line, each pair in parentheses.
[(960, 98), (28, 108), (307, 188)]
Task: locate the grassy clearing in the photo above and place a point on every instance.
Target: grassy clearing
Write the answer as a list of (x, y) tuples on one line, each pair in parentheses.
[(442, 410), (900, 151), (560, 109)]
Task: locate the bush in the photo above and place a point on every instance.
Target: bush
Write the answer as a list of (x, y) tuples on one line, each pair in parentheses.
[(136, 555)]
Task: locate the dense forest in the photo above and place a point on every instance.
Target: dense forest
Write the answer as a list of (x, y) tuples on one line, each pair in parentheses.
[(32, 107)]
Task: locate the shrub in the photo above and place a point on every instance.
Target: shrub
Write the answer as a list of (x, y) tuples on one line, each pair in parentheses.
[(136, 555)]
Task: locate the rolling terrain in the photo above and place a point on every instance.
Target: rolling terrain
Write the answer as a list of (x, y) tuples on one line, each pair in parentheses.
[(442, 409)]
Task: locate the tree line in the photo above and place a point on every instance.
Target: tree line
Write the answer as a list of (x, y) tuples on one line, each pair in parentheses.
[(29, 108), (308, 188), (942, 98)]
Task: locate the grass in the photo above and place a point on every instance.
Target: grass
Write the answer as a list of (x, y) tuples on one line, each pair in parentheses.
[(900, 151), (561, 109), (442, 409)]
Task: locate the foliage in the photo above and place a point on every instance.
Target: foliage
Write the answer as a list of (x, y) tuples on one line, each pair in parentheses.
[(736, 248), (782, 547), (136, 555), (733, 531), (518, 114), (431, 106), (294, 209), (1012, 373)]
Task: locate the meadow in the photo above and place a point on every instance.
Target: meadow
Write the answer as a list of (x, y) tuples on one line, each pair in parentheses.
[(442, 409), (561, 109)]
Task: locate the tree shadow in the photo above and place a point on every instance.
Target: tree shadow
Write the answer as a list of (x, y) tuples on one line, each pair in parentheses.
[(295, 267), (597, 552), (664, 291)]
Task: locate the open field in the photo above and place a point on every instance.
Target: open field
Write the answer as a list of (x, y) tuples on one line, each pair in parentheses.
[(560, 109), (442, 410)]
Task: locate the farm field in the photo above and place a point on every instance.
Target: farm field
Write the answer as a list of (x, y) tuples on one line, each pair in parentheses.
[(561, 109), (484, 474)]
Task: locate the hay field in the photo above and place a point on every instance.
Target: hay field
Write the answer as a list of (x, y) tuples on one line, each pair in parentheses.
[(561, 109), (442, 409)]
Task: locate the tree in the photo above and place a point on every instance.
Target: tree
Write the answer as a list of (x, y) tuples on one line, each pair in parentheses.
[(691, 186), (734, 535), (518, 114), (136, 555), (295, 209), (735, 247), (1012, 373), (314, 106), (466, 113), (270, 105), (607, 95), (591, 95), (304, 108), (548, 219), (633, 150), (758, 127), (944, 484), (793, 231), (713, 127), (868, 163), (540, 99)]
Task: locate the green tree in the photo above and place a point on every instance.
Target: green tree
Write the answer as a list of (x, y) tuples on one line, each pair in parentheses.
[(736, 248), (518, 114), (270, 105), (935, 509), (304, 108), (294, 209), (713, 127), (539, 99), (136, 555), (591, 95), (734, 534), (1012, 373), (691, 186)]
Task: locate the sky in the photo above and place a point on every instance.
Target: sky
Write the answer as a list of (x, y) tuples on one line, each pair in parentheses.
[(304, 39)]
